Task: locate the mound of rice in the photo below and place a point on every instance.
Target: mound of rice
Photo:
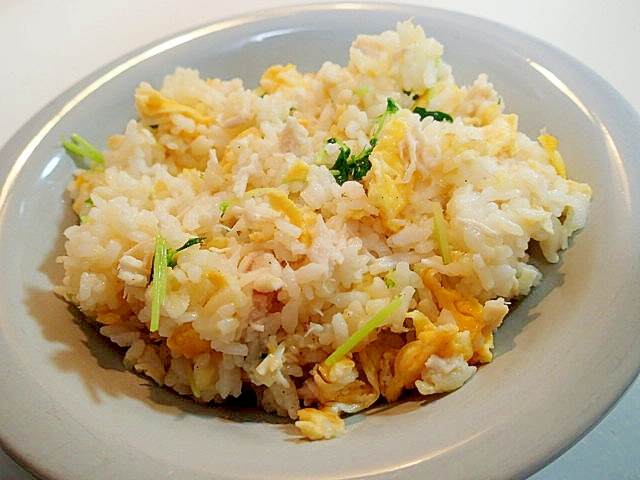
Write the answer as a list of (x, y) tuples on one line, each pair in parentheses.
[(418, 258)]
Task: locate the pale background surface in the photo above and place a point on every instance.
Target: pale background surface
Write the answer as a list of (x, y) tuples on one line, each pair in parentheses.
[(46, 46)]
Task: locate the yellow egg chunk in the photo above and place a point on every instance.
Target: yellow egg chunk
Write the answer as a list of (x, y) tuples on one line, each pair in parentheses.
[(155, 107), (467, 311), (550, 143), (279, 77), (317, 424), (297, 172), (187, 342), (409, 361), (388, 190), (282, 203)]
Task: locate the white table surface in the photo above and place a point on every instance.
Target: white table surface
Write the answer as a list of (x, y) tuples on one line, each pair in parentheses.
[(48, 45)]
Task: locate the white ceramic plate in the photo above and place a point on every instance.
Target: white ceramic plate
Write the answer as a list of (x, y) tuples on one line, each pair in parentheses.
[(68, 409)]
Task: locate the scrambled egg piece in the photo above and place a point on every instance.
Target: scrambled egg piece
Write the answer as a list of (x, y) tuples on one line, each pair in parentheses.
[(187, 342), (280, 202), (402, 369), (230, 154), (320, 424), (388, 187), (281, 76), (501, 135), (155, 107), (298, 172), (468, 313), (338, 389), (550, 144)]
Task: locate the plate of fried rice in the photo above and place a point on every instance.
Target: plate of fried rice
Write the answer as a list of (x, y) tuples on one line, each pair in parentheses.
[(338, 241)]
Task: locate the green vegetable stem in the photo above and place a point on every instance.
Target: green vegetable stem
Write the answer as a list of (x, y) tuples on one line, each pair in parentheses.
[(440, 232), (163, 259), (159, 282), (365, 330), (80, 149)]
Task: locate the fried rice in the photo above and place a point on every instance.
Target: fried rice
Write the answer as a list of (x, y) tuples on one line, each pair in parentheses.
[(331, 239)]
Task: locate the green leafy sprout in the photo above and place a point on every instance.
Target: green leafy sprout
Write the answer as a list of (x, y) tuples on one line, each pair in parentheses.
[(80, 149), (360, 334), (163, 259), (437, 115), (355, 167)]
